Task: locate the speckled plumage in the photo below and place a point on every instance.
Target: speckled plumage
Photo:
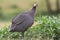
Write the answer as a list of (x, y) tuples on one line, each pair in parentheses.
[(23, 21)]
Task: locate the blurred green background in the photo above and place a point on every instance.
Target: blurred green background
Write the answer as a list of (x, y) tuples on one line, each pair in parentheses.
[(47, 19), (11, 8)]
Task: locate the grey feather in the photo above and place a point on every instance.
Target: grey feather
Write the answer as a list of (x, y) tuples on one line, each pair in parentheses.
[(23, 21)]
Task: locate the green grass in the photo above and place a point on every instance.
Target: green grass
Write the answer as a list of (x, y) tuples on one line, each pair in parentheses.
[(47, 28)]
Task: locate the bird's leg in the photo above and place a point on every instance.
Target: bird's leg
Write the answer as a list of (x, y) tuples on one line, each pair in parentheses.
[(22, 34)]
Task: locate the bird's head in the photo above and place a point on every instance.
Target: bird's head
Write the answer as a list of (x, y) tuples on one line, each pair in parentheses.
[(35, 4)]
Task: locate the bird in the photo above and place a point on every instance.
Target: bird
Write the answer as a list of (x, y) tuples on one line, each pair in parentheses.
[(22, 22)]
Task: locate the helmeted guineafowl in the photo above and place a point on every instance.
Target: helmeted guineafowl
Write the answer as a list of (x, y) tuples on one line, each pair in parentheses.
[(23, 21)]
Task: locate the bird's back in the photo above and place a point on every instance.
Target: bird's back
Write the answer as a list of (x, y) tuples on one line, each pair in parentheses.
[(27, 22)]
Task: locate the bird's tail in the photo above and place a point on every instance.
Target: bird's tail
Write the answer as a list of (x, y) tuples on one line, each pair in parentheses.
[(11, 29)]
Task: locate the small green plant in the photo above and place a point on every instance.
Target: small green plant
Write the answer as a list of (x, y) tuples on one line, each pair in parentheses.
[(47, 28)]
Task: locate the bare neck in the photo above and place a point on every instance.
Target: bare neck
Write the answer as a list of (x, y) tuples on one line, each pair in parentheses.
[(32, 12)]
